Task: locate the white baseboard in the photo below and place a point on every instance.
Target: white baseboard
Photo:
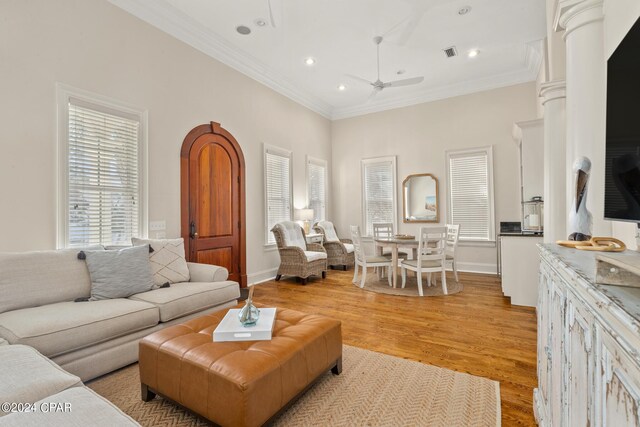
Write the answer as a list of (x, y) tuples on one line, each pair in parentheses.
[(477, 267), (261, 276)]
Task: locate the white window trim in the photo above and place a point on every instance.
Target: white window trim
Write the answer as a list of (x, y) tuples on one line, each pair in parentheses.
[(63, 95), (394, 172), (323, 163), (285, 153), (492, 222)]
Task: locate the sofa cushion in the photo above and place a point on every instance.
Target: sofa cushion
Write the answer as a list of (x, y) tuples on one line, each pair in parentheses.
[(329, 231), (119, 273), (168, 263), (62, 327), (75, 407), (27, 376), (189, 297), (292, 234), (314, 256), (28, 278)]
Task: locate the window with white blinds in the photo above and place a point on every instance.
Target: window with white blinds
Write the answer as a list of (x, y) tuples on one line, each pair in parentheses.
[(278, 197), (101, 162), (471, 193), (378, 191), (317, 188)]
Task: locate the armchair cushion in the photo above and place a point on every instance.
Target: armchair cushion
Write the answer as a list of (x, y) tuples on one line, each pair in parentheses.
[(349, 247), (329, 231), (314, 256), (292, 234), (207, 272)]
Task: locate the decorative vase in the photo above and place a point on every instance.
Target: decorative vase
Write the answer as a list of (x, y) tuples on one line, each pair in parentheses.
[(249, 314), (580, 218)]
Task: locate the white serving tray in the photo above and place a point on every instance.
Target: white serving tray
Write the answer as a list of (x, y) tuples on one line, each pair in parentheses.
[(230, 328)]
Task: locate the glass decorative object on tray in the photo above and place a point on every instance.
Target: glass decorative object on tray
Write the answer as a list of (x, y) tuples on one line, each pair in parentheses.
[(249, 314)]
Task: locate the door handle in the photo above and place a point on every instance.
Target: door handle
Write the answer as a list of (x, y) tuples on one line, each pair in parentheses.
[(192, 230)]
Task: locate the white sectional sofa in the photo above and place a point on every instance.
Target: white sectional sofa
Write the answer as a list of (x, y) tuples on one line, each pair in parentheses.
[(34, 391), (37, 308)]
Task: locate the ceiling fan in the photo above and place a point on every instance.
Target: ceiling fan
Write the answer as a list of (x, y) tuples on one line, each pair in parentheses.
[(379, 85), (271, 20)]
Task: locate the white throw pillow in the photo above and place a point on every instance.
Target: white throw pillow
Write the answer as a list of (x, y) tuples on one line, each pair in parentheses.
[(329, 231), (168, 263)]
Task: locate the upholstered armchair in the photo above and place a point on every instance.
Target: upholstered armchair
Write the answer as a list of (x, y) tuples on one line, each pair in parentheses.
[(297, 257), (339, 251)]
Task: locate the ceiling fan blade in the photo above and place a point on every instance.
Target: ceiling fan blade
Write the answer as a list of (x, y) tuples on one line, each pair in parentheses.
[(273, 22), (406, 27), (372, 95), (404, 82), (360, 79), (409, 28)]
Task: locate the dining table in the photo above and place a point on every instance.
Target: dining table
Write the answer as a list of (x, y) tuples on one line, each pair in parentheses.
[(394, 243)]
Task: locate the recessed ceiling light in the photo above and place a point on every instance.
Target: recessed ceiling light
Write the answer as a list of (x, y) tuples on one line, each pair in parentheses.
[(464, 10), (260, 22), (243, 29), (342, 87), (473, 53), (309, 61)]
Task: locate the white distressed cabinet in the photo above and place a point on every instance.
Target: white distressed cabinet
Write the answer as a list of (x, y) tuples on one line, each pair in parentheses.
[(588, 345)]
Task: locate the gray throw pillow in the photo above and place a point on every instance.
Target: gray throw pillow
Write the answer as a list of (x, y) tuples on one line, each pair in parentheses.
[(119, 274)]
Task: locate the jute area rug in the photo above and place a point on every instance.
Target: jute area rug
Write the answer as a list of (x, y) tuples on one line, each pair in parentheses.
[(373, 390), (381, 286)]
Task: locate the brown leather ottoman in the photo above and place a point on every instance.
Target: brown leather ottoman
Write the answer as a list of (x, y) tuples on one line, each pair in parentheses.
[(239, 383)]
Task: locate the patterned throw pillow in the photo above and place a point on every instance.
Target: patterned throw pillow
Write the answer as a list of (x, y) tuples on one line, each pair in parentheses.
[(167, 259)]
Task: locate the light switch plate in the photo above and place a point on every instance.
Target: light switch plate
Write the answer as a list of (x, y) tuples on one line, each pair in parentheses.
[(157, 225), (161, 235)]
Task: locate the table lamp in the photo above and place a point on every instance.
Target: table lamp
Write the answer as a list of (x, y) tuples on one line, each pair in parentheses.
[(305, 215)]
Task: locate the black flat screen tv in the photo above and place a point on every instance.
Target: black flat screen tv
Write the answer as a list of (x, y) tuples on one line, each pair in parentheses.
[(622, 167)]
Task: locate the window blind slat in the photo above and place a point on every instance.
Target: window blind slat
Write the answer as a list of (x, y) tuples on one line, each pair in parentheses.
[(378, 193), (278, 189), (317, 192), (103, 190), (469, 195)]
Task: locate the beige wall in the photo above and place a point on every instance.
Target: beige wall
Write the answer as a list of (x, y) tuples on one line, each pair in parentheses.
[(419, 136), (95, 46)]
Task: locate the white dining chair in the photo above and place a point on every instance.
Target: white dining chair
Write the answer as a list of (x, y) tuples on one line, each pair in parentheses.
[(363, 260), (453, 234), (431, 257), (384, 230)]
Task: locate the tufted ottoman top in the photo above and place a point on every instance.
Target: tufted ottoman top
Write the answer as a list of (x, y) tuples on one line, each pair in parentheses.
[(239, 383)]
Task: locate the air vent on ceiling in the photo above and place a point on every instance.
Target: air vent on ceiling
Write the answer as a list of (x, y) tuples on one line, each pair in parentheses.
[(451, 52)]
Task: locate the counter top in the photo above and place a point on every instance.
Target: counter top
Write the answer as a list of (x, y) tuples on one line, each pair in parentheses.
[(623, 302), (519, 234)]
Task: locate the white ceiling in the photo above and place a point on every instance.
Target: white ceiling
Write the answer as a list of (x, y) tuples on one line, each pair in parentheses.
[(339, 33)]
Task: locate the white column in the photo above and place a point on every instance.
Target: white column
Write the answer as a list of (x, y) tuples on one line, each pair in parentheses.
[(586, 101), (555, 163)]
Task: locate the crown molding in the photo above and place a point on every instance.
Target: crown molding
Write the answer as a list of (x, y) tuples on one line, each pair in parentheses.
[(167, 18)]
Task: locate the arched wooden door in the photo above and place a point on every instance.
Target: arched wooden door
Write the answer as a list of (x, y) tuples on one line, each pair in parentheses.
[(213, 199)]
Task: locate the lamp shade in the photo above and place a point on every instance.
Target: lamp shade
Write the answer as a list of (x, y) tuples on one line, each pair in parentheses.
[(304, 214)]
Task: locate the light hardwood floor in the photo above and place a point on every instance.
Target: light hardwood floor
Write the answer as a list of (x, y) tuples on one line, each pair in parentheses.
[(477, 331)]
